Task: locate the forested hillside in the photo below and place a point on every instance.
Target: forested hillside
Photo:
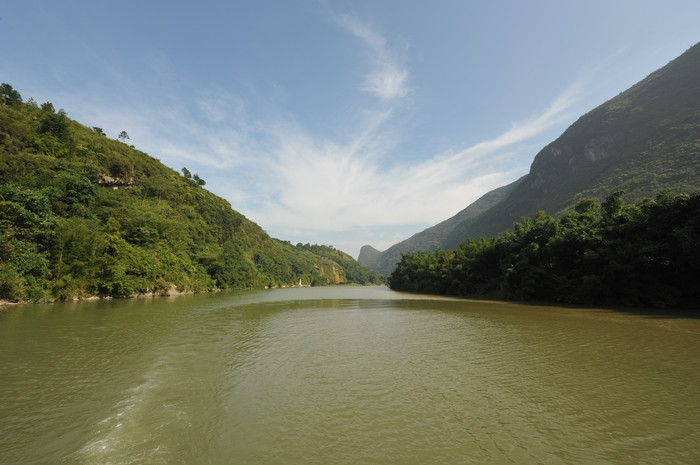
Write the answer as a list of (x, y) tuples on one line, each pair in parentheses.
[(612, 253), (83, 215), (644, 140)]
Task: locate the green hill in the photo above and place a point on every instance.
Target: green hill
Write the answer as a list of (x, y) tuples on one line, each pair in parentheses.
[(83, 215), (643, 141)]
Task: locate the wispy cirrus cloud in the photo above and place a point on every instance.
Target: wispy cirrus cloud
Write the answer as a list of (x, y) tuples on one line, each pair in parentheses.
[(303, 187), (388, 78), (460, 161), (326, 185), (299, 185)]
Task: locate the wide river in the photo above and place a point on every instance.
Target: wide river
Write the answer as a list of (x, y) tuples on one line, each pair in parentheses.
[(344, 375)]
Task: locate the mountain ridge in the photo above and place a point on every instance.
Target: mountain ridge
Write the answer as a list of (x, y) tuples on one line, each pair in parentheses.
[(643, 140)]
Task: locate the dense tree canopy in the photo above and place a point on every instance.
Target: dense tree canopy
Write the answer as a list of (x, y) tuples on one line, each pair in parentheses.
[(84, 215), (609, 253)]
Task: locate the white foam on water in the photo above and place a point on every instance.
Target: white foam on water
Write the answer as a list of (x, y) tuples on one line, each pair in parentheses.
[(133, 431)]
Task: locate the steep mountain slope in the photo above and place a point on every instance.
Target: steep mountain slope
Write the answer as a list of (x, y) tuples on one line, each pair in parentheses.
[(435, 236), (644, 140), (84, 215)]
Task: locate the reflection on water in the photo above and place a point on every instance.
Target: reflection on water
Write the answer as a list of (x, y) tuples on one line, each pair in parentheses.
[(344, 375)]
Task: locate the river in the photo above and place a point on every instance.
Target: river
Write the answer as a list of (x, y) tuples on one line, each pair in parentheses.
[(344, 375)]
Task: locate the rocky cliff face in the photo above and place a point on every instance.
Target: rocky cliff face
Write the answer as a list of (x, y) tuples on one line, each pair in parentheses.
[(115, 181), (369, 256), (638, 141)]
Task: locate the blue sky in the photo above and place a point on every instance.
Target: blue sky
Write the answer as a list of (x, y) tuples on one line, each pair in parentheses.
[(339, 122)]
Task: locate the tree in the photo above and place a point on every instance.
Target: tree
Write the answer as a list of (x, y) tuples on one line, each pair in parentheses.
[(186, 173), (198, 180), (9, 95), (98, 130), (52, 122), (123, 136), (48, 107)]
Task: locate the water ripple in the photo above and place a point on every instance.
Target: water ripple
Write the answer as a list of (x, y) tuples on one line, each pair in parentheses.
[(349, 376)]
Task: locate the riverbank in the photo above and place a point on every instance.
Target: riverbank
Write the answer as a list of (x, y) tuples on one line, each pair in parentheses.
[(172, 291)]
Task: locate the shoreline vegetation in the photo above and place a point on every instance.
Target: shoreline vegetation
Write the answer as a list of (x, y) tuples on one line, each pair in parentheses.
[(83, 215), (172, 292), (608, 254)]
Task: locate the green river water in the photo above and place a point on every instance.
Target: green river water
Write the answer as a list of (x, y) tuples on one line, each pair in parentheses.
[(344, 375)]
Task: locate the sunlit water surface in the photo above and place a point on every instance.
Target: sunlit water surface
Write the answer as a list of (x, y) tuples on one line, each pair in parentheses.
[(356, 375)]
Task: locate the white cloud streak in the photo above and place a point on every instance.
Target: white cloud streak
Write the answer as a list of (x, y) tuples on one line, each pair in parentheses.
[(292, 182), (388, 79), (323, 185), (295, 184)]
